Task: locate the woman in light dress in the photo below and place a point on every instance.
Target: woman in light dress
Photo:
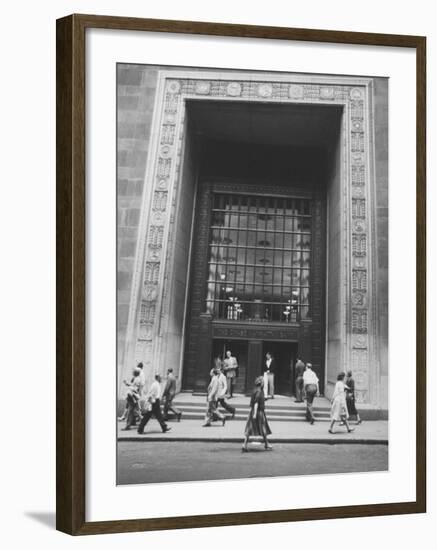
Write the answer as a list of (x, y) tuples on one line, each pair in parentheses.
[(339, 407)]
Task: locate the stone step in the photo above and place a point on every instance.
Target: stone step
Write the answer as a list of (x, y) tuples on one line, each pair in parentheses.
[(270, 408), (245, 409), (191, 415), (279, 412)]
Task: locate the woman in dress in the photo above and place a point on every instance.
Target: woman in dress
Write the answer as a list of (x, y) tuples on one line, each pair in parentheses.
[(339, 408), (257, 424), (350, 397)]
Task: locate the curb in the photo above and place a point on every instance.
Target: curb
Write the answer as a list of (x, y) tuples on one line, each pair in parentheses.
[(197, 439)]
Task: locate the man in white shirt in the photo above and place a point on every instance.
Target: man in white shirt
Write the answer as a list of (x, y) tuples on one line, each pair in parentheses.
[(153, 399), (311, 388), (212, 412), (269, 376), (223, 386)]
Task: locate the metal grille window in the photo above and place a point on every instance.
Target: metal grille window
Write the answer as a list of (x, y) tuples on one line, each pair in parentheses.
[(259, 258)]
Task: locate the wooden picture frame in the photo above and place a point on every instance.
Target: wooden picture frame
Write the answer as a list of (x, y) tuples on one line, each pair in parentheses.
[(71, 248)]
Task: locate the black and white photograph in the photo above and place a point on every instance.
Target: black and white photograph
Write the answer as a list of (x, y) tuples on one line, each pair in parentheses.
[(252, 274), (217, 285)]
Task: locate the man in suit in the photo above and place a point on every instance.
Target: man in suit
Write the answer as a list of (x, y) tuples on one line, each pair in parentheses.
[(168, 396), (299, 370), (212, 413), (269, 376), (153, 407), (221, 395), (230, 366)]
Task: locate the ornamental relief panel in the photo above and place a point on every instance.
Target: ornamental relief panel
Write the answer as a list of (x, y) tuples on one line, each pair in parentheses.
[(358, 208), (359, 321), (168, 133), (359, 244)]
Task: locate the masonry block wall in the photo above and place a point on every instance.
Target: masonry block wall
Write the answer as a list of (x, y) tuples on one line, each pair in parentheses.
[(136, 86)]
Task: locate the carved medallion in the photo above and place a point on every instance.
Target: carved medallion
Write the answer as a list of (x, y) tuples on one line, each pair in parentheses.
[(233, 89), (154, 255), (359, 262), (356, 93), (295, 91), (174, 86), (359, 226), (357, 124), (326, 92), (359, 341), (162, 184), (358, 299), (203, 87), (165, 151), (265, 90)]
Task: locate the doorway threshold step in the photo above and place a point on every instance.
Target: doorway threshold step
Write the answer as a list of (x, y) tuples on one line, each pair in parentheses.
[(279, 410), (271, 418)]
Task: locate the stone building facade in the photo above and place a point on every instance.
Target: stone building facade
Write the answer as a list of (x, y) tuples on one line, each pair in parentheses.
[(169, 121)]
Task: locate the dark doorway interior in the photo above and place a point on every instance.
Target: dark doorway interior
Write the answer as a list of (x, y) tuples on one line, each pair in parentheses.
[(285, 354), (259, 218), (239, 350)]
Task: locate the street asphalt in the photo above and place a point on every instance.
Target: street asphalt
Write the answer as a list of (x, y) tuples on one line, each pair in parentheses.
[(170, 461)]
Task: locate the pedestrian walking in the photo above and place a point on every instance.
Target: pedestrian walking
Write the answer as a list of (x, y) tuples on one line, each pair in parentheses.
[(133, 395), (257, 424), (311, 389), (152, 407), (350, 397), (212, 413), (221, 395), (298, 372), (230, 365), (168, 395), (139, 390), (339, 408), (269, 376)]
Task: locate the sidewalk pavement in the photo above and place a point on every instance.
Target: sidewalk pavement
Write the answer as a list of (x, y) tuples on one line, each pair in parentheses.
[(371, 432)]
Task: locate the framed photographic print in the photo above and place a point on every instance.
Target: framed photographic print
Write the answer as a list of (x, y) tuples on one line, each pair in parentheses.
[(240, 274)]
